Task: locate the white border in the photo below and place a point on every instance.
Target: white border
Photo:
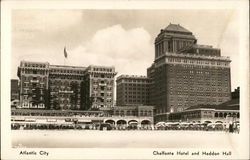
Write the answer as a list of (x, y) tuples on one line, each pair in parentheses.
[(128, 153)]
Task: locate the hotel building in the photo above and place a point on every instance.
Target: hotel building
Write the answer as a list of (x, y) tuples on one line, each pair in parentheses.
[(65, 87), (186, 74), (98, 87), (132, 90), (14, 89)]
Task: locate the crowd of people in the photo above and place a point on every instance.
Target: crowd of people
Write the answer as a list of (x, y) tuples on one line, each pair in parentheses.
[(229, 127), (93, 126)]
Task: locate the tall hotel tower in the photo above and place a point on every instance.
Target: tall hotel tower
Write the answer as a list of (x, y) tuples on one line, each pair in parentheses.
[(186, 74)]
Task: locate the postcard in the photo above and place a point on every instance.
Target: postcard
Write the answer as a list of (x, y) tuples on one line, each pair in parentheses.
[(125, 80)]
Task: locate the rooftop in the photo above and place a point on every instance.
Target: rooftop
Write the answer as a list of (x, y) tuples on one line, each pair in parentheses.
[(66, 67), (204, 46), (176, 28), (132, 76), (230, 105), (192, 55)]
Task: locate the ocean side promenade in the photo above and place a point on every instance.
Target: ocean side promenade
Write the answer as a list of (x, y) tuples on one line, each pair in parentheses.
[(26, 119), (187, 87)]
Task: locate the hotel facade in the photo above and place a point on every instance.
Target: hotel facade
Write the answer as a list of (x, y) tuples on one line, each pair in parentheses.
[(59, 87), (185, 80), (186, 74), (132, 90)]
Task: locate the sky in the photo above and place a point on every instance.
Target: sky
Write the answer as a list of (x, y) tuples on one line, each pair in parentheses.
[(120, 38)]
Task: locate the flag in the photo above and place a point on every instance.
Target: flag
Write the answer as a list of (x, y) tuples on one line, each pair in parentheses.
[(65, 53)]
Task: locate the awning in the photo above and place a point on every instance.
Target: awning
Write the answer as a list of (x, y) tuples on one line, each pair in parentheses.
[(133, 122), (84, 120)]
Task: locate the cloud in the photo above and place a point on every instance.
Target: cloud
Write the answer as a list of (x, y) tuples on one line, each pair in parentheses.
[(39, 20), (36, 28), (130, 51)]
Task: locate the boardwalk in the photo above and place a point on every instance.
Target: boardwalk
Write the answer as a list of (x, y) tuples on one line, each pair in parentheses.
[(123, 139)]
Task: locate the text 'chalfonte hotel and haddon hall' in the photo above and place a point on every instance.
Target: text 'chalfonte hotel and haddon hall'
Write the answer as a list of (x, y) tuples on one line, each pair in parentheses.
[(184, 76)]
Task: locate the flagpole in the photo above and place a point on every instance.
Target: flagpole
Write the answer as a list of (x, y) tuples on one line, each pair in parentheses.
[(65, 55)]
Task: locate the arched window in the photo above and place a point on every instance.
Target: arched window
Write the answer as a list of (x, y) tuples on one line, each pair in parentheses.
[(216, 114), (234, 114), (220, 114), (119, 122), (225, 115), (238, 115)]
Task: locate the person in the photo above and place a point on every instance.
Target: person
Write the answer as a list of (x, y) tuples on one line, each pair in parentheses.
[(230, 127), (234, 127)]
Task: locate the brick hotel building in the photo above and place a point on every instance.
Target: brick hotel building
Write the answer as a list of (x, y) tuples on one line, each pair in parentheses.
[(183, 74), (14, 89), (132, 90), (65, 87), (186, 74)]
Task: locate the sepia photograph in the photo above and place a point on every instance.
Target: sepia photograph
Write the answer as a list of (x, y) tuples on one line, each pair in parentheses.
[(164, 81)]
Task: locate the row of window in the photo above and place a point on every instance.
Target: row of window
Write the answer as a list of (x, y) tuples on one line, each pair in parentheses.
[(26, 97), (136, 81), (66, 96), (200, 94), (29, 78), (102, 88), (100, 81), (139, 101), (212, 69), (28, 71), (180, 76), (103, 101), (225, 114), (139, 89), (138, 96), (193, 101), (199, 72), (68, 77), (103, 69), (197, 88), (200, 82), (67, 71), (65, 83), (134, 85), (102, 75), (39, 85), (131, 93), (192, 61), (34, 65), (131, 112), (102, 94)]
